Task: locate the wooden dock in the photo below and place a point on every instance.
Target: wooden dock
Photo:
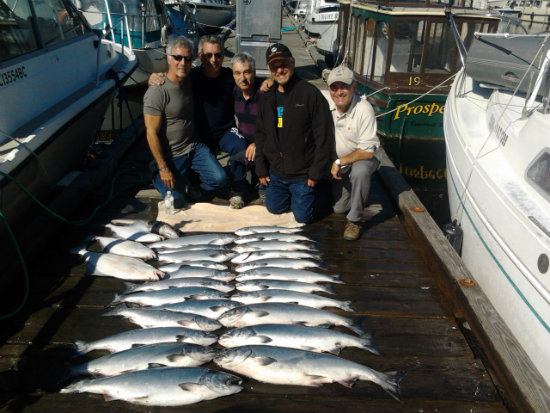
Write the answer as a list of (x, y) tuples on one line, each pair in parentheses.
[(407, 287), (394, 292)]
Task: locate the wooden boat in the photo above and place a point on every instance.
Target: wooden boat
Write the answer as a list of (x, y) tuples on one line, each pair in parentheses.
[(404, 60), (56, 83), (496, 122)]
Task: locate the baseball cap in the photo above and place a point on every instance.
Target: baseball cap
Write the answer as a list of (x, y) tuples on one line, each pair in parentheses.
[(277, 51), (340, 74)]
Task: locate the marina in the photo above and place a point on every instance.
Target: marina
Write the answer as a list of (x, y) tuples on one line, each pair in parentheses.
[(428, 315)]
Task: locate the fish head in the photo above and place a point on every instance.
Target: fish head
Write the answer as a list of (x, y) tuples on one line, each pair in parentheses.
[(233, 357), (221, 383), (195, 352), (231, 317), (236, 337)]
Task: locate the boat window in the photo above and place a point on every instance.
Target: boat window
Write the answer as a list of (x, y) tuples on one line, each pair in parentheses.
[(379, 64), (57, 21), (407, 46), (368, 56), (440, 49), (538, 173), (16, 32), (359, 48), (353, 40)]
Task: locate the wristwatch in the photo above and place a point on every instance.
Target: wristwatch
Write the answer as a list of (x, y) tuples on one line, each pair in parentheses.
[(338, 162)]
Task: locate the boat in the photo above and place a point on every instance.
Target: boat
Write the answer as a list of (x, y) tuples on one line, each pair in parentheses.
[(321, 24), (404, 60), (212, 15), (497, 123), (301, 8), (143, 26), (534, 14), (56, 83)]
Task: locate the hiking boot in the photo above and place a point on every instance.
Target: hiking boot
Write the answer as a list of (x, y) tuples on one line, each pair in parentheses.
[(236, 202), (352, 231)]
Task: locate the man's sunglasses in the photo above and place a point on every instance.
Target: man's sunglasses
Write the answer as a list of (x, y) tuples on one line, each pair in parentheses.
[(178, 58), (216, 55)]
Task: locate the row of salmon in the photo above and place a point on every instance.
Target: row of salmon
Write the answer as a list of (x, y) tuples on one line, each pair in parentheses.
[(272, 338)]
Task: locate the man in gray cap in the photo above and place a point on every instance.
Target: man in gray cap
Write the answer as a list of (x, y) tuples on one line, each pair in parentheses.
[(294, 139), (356, 143)]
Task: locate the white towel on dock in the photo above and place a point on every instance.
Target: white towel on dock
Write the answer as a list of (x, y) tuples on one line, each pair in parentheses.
[(206, 217)]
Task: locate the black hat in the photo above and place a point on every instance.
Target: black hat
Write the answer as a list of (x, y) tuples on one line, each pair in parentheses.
[(277, 51)]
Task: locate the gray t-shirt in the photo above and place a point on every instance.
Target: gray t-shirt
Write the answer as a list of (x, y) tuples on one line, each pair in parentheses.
[(174, 102)]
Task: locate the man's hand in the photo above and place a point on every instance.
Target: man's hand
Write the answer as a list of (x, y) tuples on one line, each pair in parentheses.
[(167, 178), (335, 171), (250, 153), (311, 182), (155, 79), (266, 85), (264, 180)]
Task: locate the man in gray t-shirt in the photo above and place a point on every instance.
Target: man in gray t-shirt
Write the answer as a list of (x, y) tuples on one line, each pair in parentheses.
[(168, 111)]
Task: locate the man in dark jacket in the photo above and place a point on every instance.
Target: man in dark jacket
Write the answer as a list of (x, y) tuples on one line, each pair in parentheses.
[(294, 139)]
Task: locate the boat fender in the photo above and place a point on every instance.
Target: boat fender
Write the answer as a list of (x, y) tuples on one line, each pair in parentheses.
[(454, 235)]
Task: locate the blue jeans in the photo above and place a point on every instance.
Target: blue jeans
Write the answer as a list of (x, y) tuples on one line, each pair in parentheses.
[(235, 145), (211, 173), (281, 195)]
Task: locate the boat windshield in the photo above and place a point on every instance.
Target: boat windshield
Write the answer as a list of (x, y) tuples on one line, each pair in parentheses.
[(142, 16), (56, 21)]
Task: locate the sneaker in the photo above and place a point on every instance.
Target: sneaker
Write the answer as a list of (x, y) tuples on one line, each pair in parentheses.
[(352, 231), (236, 202)]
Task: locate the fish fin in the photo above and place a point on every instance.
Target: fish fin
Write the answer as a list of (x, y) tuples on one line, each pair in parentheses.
[(337, 279), (137, 345), (389, 381), (265, 361), (346, 306), (348, 383), (261, 314), (190, 387), (336, 350), (264, 339), (317, 381), (367, 341), (155, 365), (109, 397)]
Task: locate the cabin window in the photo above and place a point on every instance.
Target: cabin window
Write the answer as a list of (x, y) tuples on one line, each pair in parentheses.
[(407, 46), (57, 22), (359, 49), (538, 173), (352, 40), (440, 49), (381, 47), (368, 56), (16, 32)]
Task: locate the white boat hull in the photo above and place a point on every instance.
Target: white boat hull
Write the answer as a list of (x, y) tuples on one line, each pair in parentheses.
[(504, 220)]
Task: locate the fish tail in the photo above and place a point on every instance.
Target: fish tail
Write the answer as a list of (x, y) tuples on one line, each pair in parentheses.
[(367, 342), (389, 381), (79, 249), (81, 347), (346, 306), (337, 280)]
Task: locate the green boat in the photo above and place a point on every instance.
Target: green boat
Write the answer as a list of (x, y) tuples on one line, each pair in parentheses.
[(404, 59)]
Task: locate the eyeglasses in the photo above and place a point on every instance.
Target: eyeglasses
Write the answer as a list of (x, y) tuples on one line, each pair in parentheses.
[(338, 85), (281, 64), (179, 57), (216, 55)]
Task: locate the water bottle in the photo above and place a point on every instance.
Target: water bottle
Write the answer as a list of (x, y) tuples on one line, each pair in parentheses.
[(169, 203)]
